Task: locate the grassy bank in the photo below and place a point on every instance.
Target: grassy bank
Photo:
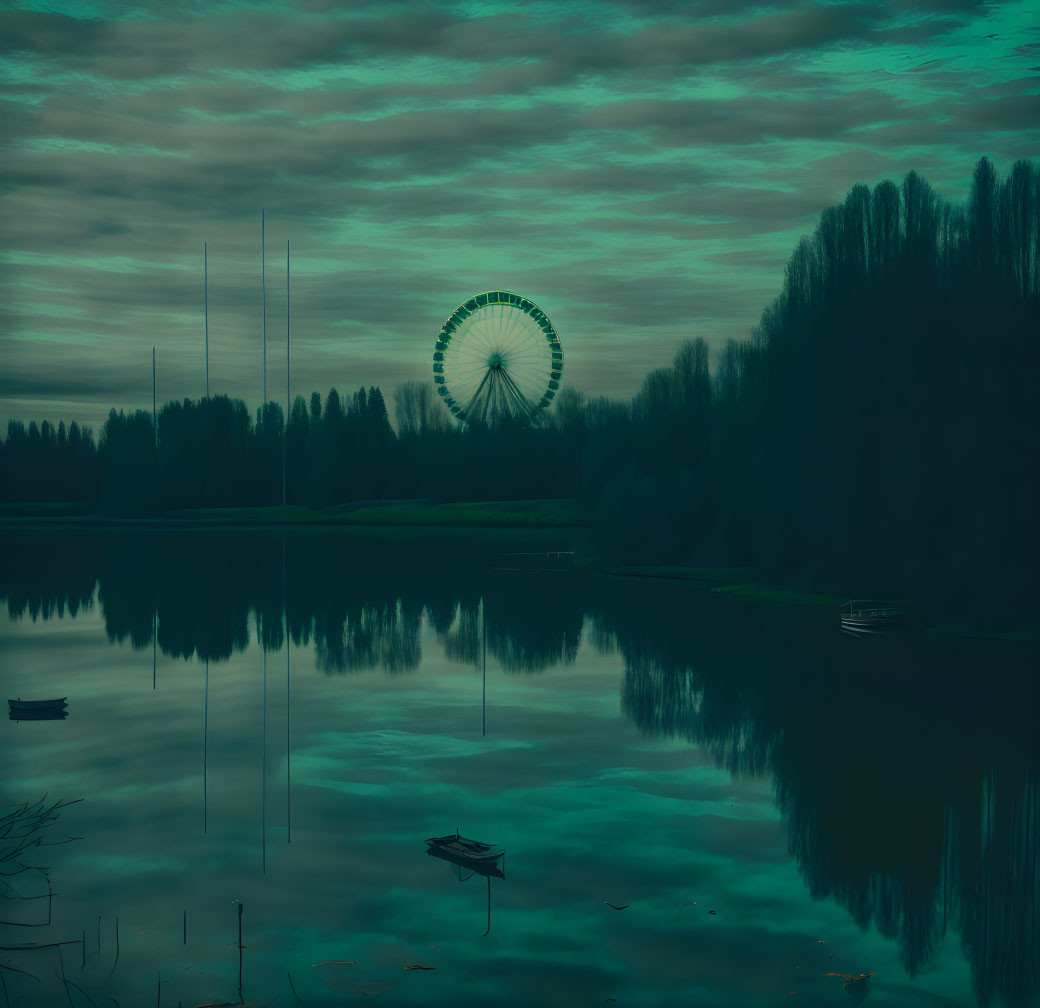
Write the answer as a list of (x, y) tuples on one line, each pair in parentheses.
[(478, 514)]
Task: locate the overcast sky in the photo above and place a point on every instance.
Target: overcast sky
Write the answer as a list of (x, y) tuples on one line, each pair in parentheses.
[(641, 169)]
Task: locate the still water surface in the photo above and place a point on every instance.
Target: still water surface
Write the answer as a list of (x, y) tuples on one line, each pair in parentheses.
[(768, 800)]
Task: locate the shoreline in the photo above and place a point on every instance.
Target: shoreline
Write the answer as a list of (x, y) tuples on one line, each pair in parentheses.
[(521, 519)]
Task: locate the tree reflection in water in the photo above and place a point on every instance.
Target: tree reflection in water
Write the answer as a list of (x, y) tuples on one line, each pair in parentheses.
[(907, 769)]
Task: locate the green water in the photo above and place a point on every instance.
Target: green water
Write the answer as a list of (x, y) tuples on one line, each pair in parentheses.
[(768, 799)]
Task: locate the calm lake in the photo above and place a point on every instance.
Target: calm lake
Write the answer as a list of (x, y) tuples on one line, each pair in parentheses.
[(767, 799)]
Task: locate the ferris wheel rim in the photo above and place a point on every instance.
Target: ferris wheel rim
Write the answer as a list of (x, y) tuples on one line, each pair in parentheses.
[(513, 370)]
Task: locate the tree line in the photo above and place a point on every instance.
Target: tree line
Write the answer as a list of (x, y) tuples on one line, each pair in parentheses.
[(879, 428)]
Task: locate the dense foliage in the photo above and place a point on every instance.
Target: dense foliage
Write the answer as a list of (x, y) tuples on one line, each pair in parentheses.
[(879, 429)]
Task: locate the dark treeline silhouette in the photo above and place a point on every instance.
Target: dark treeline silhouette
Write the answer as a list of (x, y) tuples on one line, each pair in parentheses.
[(876, 434), (910, 795), (48, 463)]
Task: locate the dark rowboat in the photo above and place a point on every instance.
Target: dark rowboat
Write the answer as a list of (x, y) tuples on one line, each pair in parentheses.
[(871, 617), (27, 705), (490, 869), (467, 851)]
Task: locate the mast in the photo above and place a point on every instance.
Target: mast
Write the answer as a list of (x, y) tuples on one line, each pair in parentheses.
[(288, 399), (483, 694), (288, 751), (263, 298), (205, 307), (263, 778), (205, 755)]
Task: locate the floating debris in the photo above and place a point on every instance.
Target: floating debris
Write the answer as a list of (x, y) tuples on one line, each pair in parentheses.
[(850, 979)]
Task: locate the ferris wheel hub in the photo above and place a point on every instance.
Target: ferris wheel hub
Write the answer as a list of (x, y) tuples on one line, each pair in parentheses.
[(495, 361)]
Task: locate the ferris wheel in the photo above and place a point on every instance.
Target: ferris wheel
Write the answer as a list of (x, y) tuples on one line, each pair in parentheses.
[(497, 357)]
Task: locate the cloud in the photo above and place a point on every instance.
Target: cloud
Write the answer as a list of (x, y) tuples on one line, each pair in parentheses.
[(615, 161)]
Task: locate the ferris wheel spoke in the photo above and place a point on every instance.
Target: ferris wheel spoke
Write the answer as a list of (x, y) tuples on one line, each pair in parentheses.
[(518, 396), (471, 359), (468, 366), (506, 319), (476, 395), (475, 340), (535, 364), (528, 367), (492, 325), (514, 325), (525, 356), (482, 334), (520, 337), (529, 388), (473, 364)]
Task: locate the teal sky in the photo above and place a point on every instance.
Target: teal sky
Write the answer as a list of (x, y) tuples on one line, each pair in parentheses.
[(639, 168)]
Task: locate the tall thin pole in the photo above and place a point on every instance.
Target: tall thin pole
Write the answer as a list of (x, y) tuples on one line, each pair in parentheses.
[(288, 400), (483, 678), (288, 711), (155, 427), (205, 756), (263, 760), (263, 296), (205, 306)]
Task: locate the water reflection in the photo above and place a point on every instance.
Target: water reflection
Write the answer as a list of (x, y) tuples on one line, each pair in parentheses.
[(907, 769), (933, 829)]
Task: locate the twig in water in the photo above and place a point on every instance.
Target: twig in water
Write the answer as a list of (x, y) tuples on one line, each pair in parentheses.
[(292, 988), (83, 992), (61, 963), (14, 969), (33, 947), (116, 960)]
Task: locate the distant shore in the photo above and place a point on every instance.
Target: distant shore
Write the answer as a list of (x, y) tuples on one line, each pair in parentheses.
[(479, 514), (552, 525)]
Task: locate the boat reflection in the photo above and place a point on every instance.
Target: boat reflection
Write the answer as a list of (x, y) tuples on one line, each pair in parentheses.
[(489, 868)]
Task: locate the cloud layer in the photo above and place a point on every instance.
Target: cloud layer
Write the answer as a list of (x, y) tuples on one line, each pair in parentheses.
[(641, 171)]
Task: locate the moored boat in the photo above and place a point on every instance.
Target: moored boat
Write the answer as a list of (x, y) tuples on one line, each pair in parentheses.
[(489, 869), (26, 705), (470, 851), (865, 616)]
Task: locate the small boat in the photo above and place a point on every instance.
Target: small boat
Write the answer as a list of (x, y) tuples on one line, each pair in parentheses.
[(866, 616), (469, 851), (39, 714), (489, 869), (27, 705)]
